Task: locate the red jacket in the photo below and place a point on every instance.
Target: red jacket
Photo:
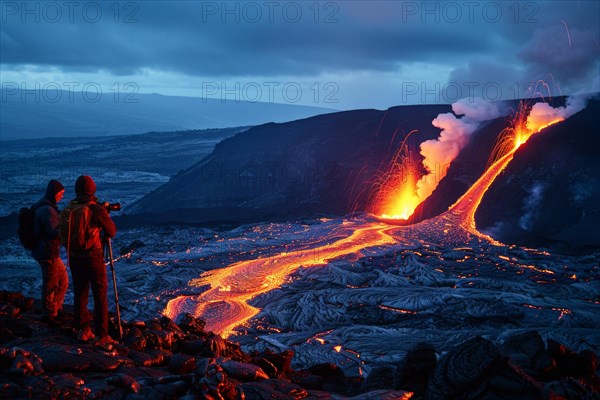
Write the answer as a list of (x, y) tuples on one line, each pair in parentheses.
[(100, 219)]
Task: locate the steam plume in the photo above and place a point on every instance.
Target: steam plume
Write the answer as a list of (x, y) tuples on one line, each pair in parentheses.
[(542, 114), (455, 135)]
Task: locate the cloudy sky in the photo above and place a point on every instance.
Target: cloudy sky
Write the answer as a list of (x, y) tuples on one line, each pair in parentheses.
[(337, 54)]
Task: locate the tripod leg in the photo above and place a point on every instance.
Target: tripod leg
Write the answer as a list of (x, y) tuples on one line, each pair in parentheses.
[(114, 279)]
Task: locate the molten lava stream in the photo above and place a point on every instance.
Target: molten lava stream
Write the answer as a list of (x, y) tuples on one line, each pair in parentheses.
[(224, 306), (465, 207), (463, 211)]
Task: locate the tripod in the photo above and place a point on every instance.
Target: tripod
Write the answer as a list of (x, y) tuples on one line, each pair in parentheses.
[(109, 255)]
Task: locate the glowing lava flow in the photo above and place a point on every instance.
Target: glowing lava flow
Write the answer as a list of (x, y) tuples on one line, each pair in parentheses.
[(225, 305), (463, 211)]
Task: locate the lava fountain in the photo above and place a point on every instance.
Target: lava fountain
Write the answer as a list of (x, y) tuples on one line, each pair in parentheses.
[(394, 193), (526, 122)]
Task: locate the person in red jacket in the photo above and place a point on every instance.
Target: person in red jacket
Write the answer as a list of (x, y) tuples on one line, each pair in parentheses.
[(55, 280), (88, 268)]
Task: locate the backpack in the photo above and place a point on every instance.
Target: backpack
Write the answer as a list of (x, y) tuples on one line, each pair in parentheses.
[(76, 233), (26, 229)]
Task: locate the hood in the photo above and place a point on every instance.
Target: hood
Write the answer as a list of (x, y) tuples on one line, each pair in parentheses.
[(52, 189), (85, 186)]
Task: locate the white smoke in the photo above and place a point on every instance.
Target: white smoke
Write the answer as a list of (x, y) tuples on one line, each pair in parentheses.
[(455, 135), (542, 114), (477, 109), (531, 205)]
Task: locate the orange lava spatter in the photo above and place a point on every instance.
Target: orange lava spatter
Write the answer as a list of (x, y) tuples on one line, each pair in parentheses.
[(396, 190), (398, 198)]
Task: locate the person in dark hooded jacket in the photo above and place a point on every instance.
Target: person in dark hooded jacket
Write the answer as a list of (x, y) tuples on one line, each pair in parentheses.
[(88, 268), (55, 280)]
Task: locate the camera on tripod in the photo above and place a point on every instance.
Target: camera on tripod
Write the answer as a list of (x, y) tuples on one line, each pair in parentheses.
[(111, 206)]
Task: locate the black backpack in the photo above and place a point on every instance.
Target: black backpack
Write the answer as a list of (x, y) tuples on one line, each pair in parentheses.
[(26, 230)]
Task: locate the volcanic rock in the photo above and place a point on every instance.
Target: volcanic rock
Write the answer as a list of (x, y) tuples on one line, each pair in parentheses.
[(61, 354), (216, 346), (547, 196), (528, 351), (570, 388), (68, 381), (191, 347), (136, 244), (243, 372), (191, 324), (307, 380), (52, 364), (148, 359), (6, 335), (210, 379), (14, 327), (476, 369), (380, 377), (182, 364), (125, 381), (272, 389), (282, 361), (162, 391), (16, 299), (159, 339), (137, 342), (266, 366), (277, 169), (9, 311), (327, 370), (569, 363), (168, 324), (416, 368)]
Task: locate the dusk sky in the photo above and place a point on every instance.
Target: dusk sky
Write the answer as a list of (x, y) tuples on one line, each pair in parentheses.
[(337, 54)]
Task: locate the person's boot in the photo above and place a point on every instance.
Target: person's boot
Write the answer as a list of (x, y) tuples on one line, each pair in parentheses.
[(85, 335), (106, 342)]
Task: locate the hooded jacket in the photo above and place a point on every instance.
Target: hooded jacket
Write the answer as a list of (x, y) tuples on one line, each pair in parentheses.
[(47, 224), (85, 188)]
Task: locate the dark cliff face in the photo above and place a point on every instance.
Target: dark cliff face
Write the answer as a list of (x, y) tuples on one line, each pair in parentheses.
[(548, 194), (323, 164)]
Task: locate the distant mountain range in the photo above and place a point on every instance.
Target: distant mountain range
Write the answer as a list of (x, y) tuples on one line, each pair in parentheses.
[(56, 113)]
